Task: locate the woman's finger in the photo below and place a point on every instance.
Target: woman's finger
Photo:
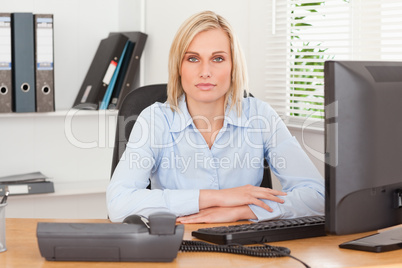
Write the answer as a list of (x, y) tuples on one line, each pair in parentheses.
[(260, 203), (270, 191)]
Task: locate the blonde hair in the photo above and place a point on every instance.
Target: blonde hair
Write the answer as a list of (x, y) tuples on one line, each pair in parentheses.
[(204, 21)]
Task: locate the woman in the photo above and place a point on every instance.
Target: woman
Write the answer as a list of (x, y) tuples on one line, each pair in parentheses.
[(204, 149)]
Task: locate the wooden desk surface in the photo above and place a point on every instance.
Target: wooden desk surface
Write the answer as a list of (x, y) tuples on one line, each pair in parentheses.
[(320, 252)]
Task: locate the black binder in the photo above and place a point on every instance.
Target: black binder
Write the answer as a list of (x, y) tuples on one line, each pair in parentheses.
[(44, 62), (130, 80), (118, 71), (28, 183), (100, 72), (5, 64), (23, 69), (121, 76), (43, 187)]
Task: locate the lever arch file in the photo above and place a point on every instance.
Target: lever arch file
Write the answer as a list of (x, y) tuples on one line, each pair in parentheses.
[(100, 72), (27, 183), (130, 80), (121, 75), (44, 63), (5, 63), (23, 72), (106, 98)]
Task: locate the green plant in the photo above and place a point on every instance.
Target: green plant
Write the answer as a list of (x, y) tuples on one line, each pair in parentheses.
[(311, 61)]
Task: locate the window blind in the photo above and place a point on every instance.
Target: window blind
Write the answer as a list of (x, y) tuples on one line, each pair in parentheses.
[(303, 34)]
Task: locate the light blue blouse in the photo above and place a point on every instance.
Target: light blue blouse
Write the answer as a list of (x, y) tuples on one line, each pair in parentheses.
[(166, 147)]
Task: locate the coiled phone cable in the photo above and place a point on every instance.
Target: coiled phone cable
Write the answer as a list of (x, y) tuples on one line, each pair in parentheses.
[(256, 251)]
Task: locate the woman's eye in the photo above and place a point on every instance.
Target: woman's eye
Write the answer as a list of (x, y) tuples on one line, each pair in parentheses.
[(192, 59), (218, 59)]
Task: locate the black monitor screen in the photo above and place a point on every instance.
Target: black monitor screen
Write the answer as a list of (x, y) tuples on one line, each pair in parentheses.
[(363, 145)]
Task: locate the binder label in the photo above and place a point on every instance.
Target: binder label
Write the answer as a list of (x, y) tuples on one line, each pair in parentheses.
[(5, 44), (18, 189), (109, 72), (44, 31), (86, 94)]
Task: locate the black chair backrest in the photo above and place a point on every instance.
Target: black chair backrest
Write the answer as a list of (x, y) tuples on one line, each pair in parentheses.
[(132, 105), (135, 101)]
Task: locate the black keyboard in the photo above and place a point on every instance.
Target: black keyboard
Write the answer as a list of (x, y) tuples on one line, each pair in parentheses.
[(269, 231)]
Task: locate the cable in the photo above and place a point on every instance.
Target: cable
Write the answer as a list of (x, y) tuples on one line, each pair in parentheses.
[(257, 251), (264, 250), (293, 257)]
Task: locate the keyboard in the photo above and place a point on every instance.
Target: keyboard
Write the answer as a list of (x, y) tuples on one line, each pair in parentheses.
[(260, 232)]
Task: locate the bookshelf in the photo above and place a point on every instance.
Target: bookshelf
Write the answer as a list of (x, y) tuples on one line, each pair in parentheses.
[(75, 200), (74, 148)]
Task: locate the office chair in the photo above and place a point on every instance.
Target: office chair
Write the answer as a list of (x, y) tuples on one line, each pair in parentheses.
[(133, 104)]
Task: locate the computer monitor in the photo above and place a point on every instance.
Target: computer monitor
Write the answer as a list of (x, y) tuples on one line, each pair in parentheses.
[(363, 145)]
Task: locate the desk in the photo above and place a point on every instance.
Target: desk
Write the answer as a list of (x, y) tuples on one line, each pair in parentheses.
[(320, 252)]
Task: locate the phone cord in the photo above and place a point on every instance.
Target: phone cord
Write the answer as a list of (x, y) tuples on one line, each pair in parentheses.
[(256, 251)]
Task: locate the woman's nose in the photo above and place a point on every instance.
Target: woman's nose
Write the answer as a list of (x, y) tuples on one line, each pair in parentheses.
[(205, 71)]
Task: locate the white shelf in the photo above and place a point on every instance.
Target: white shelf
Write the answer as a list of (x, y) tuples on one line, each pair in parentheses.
[(62, 113), (81, 187), (74, 147), (69, 188)]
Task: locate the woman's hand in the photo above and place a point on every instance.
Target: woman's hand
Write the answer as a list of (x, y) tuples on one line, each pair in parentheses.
[(239, 196), (219, 215)]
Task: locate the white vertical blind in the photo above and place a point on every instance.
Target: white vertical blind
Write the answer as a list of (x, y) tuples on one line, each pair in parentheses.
[(303, 34)]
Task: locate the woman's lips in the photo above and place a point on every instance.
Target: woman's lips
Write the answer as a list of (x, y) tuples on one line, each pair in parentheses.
[(205, 86)]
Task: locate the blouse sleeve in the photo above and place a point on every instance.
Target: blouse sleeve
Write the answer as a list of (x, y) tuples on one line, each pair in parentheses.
[(126, 193), (297, 174)]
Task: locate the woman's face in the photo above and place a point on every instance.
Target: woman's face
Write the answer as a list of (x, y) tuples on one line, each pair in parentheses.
[(206, 68)]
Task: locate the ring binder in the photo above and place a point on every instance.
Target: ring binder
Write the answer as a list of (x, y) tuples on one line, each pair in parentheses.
[(97, 79), (130, 80), (23, 74), (106, 99), (5, 64), (44, 63), (27, 183)]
